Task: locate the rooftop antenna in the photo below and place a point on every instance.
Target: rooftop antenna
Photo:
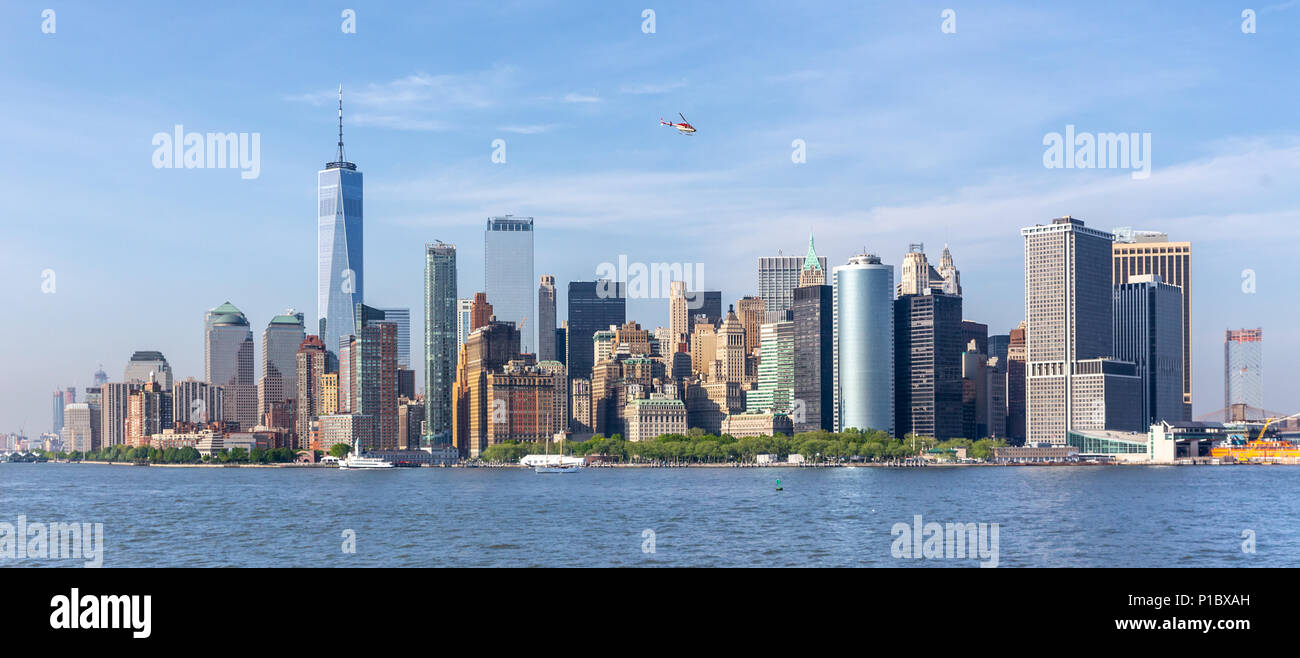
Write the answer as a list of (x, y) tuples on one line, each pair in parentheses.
[(341, 158)]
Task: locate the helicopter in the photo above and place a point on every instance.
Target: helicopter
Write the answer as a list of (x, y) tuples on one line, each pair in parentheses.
[(684, 128)]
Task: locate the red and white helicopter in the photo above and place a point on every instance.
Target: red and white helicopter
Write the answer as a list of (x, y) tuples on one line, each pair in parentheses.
[(683, 128)]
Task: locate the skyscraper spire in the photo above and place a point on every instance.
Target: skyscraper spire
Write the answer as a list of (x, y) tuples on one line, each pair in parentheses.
[(341, 158), (812, 273)]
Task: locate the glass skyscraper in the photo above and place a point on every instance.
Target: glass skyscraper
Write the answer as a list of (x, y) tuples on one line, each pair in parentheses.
[(864, 345), (228, 362), (508, 274), (402, 318), (593, 306), (441, 334), (339, 274)]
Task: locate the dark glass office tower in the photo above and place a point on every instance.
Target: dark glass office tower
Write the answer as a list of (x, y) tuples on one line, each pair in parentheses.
[(927, 353), (705, 302), (441, 341), (593, 306), (814, 358)]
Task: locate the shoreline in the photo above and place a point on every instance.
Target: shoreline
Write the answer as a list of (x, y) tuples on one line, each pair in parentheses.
[(688, 466)]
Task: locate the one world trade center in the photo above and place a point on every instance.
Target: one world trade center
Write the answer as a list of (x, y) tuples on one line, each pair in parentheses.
[(339, 275)]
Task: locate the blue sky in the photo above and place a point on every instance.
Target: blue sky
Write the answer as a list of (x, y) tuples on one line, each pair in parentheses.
[(912, 135)]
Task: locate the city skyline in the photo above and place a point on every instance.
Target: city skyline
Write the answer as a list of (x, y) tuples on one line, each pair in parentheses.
[(261, 275)]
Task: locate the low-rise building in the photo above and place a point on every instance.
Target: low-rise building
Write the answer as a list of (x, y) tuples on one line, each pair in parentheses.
[(757, 424), (657, 415)]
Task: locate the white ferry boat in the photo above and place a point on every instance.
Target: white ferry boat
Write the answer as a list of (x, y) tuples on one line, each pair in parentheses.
[(356, 459)]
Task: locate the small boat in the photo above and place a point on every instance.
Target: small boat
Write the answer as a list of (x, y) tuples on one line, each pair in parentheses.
[(558, 467)]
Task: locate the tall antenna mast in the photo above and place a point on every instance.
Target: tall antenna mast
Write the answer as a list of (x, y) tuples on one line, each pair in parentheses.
[(341, 158)]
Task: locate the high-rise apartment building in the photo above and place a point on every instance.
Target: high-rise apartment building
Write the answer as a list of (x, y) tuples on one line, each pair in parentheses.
[(193, 402), (1149, 333), (1016, 357), (442, 330), (508, 269), (78, 431), (731, 348), (464, 319), (864, 344), (228, 362), (487, 350), (1136, 253), (148, 412), (372, 374), (339, 259), (751, 311)]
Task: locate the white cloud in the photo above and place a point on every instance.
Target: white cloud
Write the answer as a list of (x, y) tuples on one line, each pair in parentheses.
[(572, 97)]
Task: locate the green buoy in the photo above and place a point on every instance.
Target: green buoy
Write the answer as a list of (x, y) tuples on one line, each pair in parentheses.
[(778, 485)]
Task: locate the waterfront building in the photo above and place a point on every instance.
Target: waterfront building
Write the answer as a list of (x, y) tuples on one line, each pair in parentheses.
[(340, 272), (1135, 253), (929, 386), (410, 420), (1069, 304), (146, 365), (508, 269), (148, 412), (355, 430), (1149, 333), (753, 424), (228, 362), (442, 337), (113, 406), (486, 350), (657, 415), (528, 402), (864, 344), (78, 431)]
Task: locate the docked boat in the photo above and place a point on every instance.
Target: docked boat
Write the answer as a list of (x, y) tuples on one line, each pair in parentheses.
[(559, 464), (357, 459)]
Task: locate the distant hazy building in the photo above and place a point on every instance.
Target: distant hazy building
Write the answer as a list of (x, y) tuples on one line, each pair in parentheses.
[(546, 319), (78, 432), (1069, 304), (228, 362), (1243, 374), (280, 341), (508, 268), (442, 330), (864, 344), (778, 277), (145, 363), (58, 417), (1149, 333), (1149, 252), (593, 306)]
